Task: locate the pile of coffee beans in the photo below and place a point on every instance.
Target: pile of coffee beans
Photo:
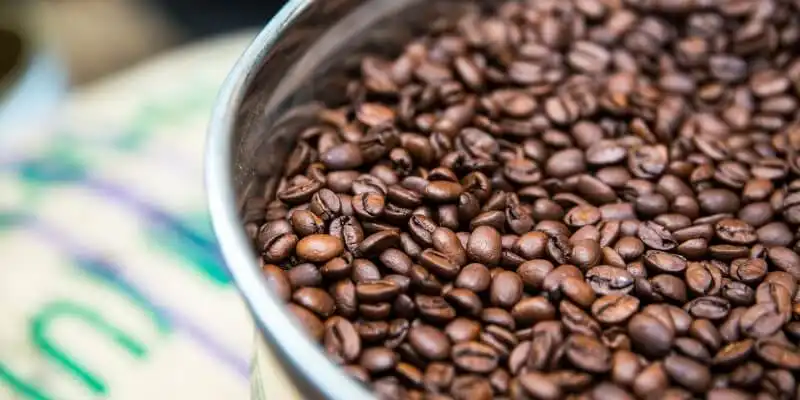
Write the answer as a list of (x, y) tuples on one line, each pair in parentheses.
[(586, 199)]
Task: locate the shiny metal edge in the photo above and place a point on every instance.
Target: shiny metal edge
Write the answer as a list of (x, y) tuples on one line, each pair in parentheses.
[(314, 374)]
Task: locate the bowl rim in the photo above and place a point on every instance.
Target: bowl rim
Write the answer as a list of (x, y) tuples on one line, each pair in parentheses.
[(311, 371)]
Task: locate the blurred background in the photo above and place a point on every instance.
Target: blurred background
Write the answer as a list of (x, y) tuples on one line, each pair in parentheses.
[(111, 282), (97, 37)]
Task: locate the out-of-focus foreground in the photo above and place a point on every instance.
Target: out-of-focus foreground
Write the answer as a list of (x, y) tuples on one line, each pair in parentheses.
[(110, 279)]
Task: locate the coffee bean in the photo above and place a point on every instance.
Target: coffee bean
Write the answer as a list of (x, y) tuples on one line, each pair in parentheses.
[(588, 354), (469, 387), (484, 245), (308, 321), (778, 354), (378, 359), (533, 273), (761, 320), (315, 300), (429, 342), (748, 270), (534, 385), (474, 357), (661, 261), (785, 260), (651, 336), (615, 308), (709, 307), (377, 291), (688, 373), (652, 379), (434, 308), (704, 279), (465, 300), (578, 291), (462, 330), (506, 289), (443, 191), (693, 348), (277, 281), (438, 264), (532, 310), (576, 320), (341, 340), (577, 207), (304, 275), (656, 236), (378, 242)]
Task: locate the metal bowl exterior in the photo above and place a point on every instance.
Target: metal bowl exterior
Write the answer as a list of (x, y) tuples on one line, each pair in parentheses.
[(309, 369), (299, 57)]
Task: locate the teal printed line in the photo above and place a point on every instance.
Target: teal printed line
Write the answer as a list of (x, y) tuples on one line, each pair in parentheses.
[(188, 251), (42, 321), (97, 266), (21, 387), (198, 247), (97, 270)]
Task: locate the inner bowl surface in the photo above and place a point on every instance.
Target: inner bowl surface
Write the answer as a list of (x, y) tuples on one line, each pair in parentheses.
[(298, 59)]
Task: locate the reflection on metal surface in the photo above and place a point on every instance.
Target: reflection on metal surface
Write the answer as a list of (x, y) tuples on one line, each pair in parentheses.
[(303, 55)]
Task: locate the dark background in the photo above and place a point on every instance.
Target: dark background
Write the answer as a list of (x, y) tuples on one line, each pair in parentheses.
[(201, 18)]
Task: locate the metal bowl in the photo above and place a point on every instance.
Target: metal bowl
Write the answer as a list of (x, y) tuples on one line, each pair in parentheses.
[(300, 58)]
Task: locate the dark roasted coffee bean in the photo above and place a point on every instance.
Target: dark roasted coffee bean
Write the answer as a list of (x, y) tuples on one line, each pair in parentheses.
[(656, 236), (278, 281), (703, 279), (652, 379), (650, 335), (474, 357), (709, 307), (534, 385), (690, 374), (308, 321), (585, 200), (506, 289), (342, 342), (429, 342)]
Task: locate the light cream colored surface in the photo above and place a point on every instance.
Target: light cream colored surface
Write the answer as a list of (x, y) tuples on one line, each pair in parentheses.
[(103, 223), (268, 380)]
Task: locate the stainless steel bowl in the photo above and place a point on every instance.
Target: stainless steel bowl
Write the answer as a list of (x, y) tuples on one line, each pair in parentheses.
[(299, 58)]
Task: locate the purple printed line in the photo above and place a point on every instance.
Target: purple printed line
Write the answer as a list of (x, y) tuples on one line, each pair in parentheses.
[(180, 321)]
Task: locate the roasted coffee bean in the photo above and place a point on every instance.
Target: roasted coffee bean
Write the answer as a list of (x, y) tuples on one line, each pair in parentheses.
[(315, 300), (429, 342), (690, 374), (506, 289), (588, 354), (709, 307), (308, 321), (342, 342), (778, 353), (650, 335), (468, 387), (693, 348), (703, 279), (661, 261), (434, 308), (378, 359), (278, 281), (652, 379), (536, 386), (475, 357), (484, 246), (532, 310), (475, 277), (582, 200)]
